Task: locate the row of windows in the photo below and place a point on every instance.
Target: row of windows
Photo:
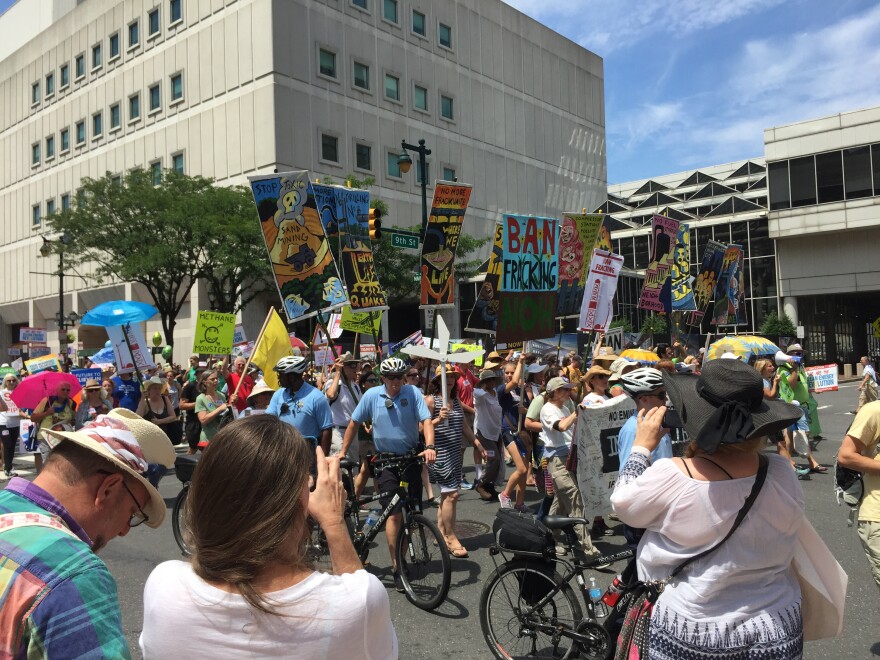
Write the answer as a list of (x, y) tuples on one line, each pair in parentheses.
[(823, 178), (114, 113), (177, 164), (418, 20), (114, 51), (361, 80), (363, 159)]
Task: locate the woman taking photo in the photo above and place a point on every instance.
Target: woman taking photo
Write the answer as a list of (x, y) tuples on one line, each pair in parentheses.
[(740, 600), (210, 405), (248, 591)]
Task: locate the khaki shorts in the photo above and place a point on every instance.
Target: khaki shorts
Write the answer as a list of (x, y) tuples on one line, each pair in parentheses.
[(869, 533)]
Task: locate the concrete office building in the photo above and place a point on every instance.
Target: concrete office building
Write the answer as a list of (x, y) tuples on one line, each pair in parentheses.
[(229, 88)]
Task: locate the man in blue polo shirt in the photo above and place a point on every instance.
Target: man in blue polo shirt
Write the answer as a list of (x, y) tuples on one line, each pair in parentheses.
[(395, 410), (300, 404)]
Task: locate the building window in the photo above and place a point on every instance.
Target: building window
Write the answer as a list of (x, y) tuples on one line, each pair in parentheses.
[(363, 156), (50, 84), (35, 93), (803, 181), (444, 33), (36, 218), (50, 147), (80, 132), (177, 163), (360, 4), (97, 125), (116, 181), (857, 172), (829, 177), (153, 22), (327, 63), (65, 140), (361, 76), (420, 98), (329, 148), (448, 173), (176, 87), (35, 153), (389, 10), (50, 207), (777, 181), (134, 34), (392, 87), (65, 75), (134, 107), (115, 118), (80, 63), (393, 168), (65, 202), (155, 98), (175, 11), (114, 46), (418, 23), (447, 107), (96, 56), (156, 172)]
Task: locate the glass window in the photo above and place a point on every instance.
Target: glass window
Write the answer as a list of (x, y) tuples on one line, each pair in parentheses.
[(389, 10), (134, 107), (327, 63), (627, 252), (760, 243), (176, 87), (392, 87), (642, 254), (96, 56), (50, 147), (392, 167), (177, 163), (35, 215), (65, 139), (116, 181), (763, 277), (65, 202), (65, 75), (153, 22), (360, 3), (115, 119), (875, 165), (80, 132), (114, 45), (418, 22), (777, 179), (361, 75), (155, 98), (829, 176), (156, 172), (134, 34), (80, 63), (363, 155), (50, 207), (447, 108), (448, 174), (444, 32), (802, 172), (35, 153), (857, 172), (329, 148), (721, 233), (174, 10), (35, 93), (50, 84), (739, 234), (97, 125), (420, 97)]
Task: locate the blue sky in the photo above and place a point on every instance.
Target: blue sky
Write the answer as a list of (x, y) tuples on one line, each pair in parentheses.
[(691, 83)]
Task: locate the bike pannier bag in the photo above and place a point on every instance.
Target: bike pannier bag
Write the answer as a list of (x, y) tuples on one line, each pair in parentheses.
[(522, 532)]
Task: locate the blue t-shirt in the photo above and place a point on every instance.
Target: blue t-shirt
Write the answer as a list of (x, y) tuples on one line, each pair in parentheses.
[(307, 409), (627, 437), (127, 393), (509, 402), (395, 429)]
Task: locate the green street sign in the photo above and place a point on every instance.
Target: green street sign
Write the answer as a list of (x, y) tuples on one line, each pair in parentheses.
[(404, 241)]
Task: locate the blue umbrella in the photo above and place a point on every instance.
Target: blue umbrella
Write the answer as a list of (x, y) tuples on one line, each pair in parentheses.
[(119, 312)]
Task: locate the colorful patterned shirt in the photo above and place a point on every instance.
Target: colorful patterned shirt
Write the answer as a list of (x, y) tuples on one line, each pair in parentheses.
[(57, 597)]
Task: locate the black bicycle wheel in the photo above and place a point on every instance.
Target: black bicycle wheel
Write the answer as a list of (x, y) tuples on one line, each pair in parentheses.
[(317, 551), (424, 563), (511, 591), (177, 524)]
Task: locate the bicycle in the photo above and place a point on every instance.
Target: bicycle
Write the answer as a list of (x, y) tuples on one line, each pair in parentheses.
[(184, 466), (422, 557), (527, 609)]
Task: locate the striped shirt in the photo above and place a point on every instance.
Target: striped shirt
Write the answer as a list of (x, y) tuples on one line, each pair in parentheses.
[(57, 597)]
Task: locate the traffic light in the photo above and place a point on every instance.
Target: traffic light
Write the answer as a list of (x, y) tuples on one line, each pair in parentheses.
[(375, 224)]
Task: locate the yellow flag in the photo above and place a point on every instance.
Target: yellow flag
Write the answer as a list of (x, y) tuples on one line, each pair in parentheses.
[(272, 345)]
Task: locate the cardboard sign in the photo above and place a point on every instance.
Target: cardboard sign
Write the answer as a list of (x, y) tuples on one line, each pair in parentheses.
[(469, 347), (238, 337), (657, 291), (484, 316), (441, 242), (728, 291), (577, 236), (214, 333), (365, 323), (39, 351), (32, 335), (44, 363), (358, 269), (334, 327), (704, 287), (368, 351), (601, 285), (682, 280), (139, 354), (822, 378), (84, 375)]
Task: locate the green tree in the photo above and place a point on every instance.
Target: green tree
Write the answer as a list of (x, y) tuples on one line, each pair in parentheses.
[(777, 326), (653, 325)]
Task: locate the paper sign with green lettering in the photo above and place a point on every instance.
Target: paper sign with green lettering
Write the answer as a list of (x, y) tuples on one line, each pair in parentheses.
[(214, 333), (366, 323)]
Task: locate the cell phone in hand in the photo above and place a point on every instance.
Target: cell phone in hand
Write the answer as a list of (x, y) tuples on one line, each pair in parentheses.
[(672, 420)]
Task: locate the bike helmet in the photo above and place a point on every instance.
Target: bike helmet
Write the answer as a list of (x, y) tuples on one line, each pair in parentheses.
[(391, 366), (641, 381), (292, 364)]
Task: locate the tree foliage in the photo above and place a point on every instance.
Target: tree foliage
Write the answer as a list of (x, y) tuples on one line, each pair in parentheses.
[(775, 325)]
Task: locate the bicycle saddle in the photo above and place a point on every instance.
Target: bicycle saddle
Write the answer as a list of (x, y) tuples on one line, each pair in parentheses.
[(347, 464), (561, 522)]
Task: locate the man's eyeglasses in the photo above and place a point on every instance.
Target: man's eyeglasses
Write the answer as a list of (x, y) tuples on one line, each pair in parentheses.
[(138, 518)]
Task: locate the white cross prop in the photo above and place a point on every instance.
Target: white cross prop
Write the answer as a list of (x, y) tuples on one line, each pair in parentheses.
[(442, 356)]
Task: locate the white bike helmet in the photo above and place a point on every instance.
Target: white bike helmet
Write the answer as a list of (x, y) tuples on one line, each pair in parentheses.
[(293, 364), (641, 381), (391, 366)]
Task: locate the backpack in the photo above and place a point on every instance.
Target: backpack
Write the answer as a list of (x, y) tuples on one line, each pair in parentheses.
[(849, 489)]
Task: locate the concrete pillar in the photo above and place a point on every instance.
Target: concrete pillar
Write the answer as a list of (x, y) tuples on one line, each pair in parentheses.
[(847, 370), (790, 307)]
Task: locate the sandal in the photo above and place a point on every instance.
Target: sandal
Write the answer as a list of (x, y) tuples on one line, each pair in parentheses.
[(457, 550), (821, 469)]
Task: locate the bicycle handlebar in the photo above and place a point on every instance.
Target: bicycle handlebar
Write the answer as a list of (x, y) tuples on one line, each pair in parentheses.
[(385, 459)]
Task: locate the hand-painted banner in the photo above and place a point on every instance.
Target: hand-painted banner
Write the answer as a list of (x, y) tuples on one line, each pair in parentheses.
[(440, 243), (366, 323), (682, 280), (214, 333), (364, 292), (657, 291), (728, 280), (302, 262), (484, 316), (736, 295), (124, 360), (596, 307), (577, 234), (704, 288), (603, 239)]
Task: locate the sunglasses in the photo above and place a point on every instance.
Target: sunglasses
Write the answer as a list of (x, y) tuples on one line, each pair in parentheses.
[(394, 377), (371, 380)]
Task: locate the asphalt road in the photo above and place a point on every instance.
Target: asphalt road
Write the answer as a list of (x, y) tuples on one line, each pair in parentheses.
[(453, 630)]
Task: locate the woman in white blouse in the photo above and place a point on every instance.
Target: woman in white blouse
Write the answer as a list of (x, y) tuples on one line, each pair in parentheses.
[(742, 600)]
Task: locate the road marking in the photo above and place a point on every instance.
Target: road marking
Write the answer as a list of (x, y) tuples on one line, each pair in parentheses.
[(823, 407)]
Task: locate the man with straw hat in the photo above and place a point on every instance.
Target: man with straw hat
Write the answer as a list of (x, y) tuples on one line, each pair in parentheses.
[(59, 598)]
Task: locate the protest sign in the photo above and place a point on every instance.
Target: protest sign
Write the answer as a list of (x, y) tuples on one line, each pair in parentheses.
[(603, 239), (13, 350), (32, 335), (44, 363), (364, 292), (484, 316), (238, 337), (243, 349), (726, 277), (596, 441), (529, 278), (368, 351), (455, 348), (682, 280), (577, 235), (366, 323), (330, 203), (302, 263), (736, 296), (6, 371), (707, 278), (214, 332), (125, 361), (39, 351), (440, 243), (323, 357), (615, 339), (17, 364), (601, 285), (84, 375), (657, 292), (822, 378)]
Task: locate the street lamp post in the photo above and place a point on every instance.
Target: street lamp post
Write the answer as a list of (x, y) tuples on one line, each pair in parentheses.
[(404, 161), (73, 318)]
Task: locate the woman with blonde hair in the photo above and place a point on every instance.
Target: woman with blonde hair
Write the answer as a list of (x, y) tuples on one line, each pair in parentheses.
[(249, 590)]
